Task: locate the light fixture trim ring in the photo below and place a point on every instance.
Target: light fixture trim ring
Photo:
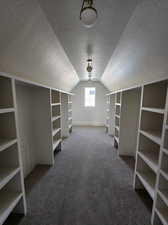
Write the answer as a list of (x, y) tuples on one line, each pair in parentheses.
[(85, 8)]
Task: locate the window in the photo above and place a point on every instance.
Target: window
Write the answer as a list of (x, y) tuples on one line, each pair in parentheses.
[(90, 93)]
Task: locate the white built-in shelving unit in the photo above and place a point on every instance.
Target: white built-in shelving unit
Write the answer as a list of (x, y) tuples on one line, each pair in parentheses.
[(112, 117), (30, 133), (12, 193), (56, 120), (118, 103), (70, 112), (107, 124), (128, 121), (151, 169), (110, 114), (66, 114), (33, 103)]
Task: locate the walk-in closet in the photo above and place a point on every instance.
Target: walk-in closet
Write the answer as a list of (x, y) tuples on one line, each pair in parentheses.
[(83, 112)]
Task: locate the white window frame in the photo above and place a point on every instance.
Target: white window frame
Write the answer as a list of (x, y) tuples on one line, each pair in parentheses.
[(89, 101)]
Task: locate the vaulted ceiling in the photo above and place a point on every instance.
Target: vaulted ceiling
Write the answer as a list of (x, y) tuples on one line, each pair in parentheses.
[(44, 41), (98, 42)]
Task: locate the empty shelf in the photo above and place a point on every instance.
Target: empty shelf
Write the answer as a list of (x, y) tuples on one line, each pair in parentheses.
[(70, 118), (55, 118), (152, 135), (6, 143), (8, 202), (151, 158), (119, 104), (6, 174), (69, 102), (55, 104), (56, 143), (117, 127), (117, 116), (55, 131), (156, 110), (163, 215), (164, 173), (165, 151), (7, 110), (164, 195), (117, 139), (148, 181)]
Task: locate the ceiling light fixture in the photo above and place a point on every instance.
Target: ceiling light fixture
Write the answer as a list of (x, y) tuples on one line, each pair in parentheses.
[(88, 14), (89, 66), (89, 69)]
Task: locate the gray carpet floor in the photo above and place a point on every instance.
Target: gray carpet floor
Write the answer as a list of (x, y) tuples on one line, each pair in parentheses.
[(88, 185)]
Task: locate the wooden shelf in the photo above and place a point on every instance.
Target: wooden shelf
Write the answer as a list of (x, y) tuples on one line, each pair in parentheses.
[(155, 95), (117, 127), (8, 202), (7, 110), (117, 139), (11, 180), (56, 143), (165, 151), (163, 215), (164, 195), (55, 131), (6, 143), (164, 174), (152, 135), (69, 102), (56, 104), (118, 98), (164, 165), (155, 110), (119, 104), (151, 159), (6, 174), (148, 181), (54, 118), (55, 96)]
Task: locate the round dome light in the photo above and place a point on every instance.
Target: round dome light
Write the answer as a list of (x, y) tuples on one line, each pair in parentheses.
[(88, 14)]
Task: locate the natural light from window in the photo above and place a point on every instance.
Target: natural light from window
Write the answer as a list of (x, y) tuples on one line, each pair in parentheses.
[(90, 95)]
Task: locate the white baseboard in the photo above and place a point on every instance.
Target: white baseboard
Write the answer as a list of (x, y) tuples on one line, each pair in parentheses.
[(88, 123)]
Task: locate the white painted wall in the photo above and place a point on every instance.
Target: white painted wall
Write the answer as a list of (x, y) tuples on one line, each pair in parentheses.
[(89, 115)]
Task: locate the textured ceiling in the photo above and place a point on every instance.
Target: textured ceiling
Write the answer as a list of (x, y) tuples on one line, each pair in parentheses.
[(29, 47), (44, 41), (79, 42), (141, 55)]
